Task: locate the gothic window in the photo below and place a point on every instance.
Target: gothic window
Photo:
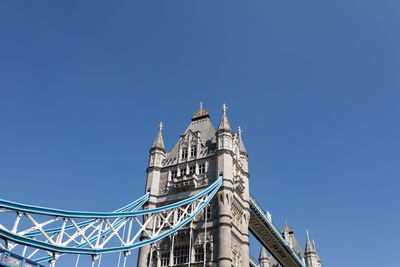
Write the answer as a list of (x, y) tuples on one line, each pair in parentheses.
[(193, 151), (192, 169), (207, 212), (165, 258), (174, 173), (183, 171), (184, 153), (181, 254), (199, 254), (202, 168)]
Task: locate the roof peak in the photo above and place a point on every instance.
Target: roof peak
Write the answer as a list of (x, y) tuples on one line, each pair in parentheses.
[(309, 247), (201, 113), (287, 228), (159, 142), (242, 148), (224, 124)]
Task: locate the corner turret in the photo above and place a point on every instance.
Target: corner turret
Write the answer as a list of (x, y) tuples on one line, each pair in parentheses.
[(158, 142), (157, 155), (242, 149), (263, 259), (311, 255), (224, 124)]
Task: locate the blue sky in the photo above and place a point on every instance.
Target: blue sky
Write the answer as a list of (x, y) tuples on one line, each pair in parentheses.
[(313, 84)]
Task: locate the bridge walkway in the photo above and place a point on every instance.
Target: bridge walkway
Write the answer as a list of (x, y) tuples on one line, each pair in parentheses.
[(267, 233)]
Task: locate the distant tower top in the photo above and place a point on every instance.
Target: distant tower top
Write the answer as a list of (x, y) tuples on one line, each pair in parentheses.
[(288, 229), (201, 113)]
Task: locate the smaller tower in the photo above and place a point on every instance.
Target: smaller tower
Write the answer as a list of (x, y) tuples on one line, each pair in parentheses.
[(287, 232), (157, 155), (263, 259), (225, 165), (311, 255), (318, 259)]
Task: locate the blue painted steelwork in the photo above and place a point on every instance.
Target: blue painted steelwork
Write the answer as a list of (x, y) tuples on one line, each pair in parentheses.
[(262, 215), (97, 215), (8, 235), (134, 206), (9, 259)]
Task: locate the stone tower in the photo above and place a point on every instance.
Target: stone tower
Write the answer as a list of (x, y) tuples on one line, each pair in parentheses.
[(198, 158), (311, 255), (288, 235), (263, 259)]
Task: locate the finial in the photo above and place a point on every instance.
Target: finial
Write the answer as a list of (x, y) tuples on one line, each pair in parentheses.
[(287, 228), (240, 130), (159, 142), (224, 108), (307, 234), (201, 112)]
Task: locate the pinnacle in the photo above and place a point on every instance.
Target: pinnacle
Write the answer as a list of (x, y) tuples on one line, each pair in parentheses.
[(263, 254), (309, 247), (224, 124), (242, 148), (159, 142)]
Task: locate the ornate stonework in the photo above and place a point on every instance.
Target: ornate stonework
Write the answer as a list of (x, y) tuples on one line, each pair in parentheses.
[(199, 156)]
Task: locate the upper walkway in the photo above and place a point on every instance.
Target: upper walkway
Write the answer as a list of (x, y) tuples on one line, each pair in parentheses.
[(267, 233)]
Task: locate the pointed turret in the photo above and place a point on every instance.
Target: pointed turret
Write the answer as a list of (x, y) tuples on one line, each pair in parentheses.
[(309, 247), (224, 133), (225, 166), (242, 148), (263, 254), (311, 255), (224, 124), (159, 142), (263, 259), (156, 158), (157, 155), (316, 253)]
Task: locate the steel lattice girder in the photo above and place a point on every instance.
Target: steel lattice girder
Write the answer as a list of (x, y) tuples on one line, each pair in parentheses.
[(95, 233)]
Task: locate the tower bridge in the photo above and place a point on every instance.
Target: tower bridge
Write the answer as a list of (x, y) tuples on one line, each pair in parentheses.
[(196, 211)]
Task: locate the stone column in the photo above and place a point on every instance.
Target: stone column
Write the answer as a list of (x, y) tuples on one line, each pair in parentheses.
[(224, 229), (245, 224)]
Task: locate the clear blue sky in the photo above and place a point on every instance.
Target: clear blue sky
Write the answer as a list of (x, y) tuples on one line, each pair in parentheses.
[(314, 85)]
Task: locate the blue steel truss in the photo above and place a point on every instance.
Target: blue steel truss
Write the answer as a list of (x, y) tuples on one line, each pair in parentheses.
[(95, 233)]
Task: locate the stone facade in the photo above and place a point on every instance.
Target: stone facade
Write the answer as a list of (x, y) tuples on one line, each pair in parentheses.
[(199, 157), (220, 234)]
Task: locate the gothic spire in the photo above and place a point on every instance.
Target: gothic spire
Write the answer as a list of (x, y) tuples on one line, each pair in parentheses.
[(242, 149), (224, 124), (309, 247), (159, 142), (263, 254), (263, 259), (315, 250)]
